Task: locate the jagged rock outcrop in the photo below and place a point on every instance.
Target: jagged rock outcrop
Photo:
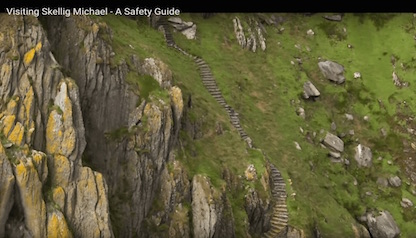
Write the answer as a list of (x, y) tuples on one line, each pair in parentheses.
[(363, 156), (129, 143), (383, 225), (7, 181), (254, 35), (188, 29), (258, 211), (332, 71), (208, 210), (42, 122)]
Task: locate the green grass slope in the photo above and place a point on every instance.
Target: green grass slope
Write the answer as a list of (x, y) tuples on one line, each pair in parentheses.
[(264, 87)]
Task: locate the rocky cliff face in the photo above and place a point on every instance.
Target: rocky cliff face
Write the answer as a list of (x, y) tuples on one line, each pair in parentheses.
[(83, 153), (45, 189)]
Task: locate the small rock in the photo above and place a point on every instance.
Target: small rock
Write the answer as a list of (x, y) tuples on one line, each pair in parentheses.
[(351, 132), (334, 142), (355, 182), (357, 75), (389, 162), (383, 225), (383, 132), (309, 90), (297, 146), (332, 71), (379, 158), (297, 46), (363, 156), (301, 130), (333, 126), (7, 145), (349, 46), (112, 54), (344, 29), (368, 193), (382, 182), (336, 17), (292, 63), (413, 145), (308, 49), (395, 181), (281, 29), (406, 203), (349, 117), (346, 162), (310, 32), (366, 118), (250, 173), (301, 112)]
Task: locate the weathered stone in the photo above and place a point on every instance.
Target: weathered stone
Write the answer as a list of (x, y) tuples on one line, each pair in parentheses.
[(239, 32), (7, 181), (190, 32), (334, 154), (382, 182), (357, 75), (363, 156), (250, 173), (333, 142), (333, 126), (292, 232), (406, 203), (57, 226), (383, 132), (395, 181), (349, 117), (310, 32), (360, 231), (332, 71), (204, 211), (309, 90), (336, 17), (158, 70), (383, 225), (297, 146)]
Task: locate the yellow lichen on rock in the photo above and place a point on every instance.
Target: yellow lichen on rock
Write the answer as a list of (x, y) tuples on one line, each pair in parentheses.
[(57, 226), (12, 107), (177, 100), (54, 133), (58, 196), (38, 46), (2, 152), (95, 28), (28, 58), (60, 170), (41, 162), (8, 124), (16, 136)]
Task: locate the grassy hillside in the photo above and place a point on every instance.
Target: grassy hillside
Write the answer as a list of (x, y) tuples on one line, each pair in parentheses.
[(265, 88)]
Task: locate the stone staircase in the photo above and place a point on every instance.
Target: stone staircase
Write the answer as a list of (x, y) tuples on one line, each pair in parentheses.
[(280, 217), (280, 214)]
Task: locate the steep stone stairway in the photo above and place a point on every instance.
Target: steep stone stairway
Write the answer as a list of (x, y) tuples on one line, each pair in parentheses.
[(280, 214)]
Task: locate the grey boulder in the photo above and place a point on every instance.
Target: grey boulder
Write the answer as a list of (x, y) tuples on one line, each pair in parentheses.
[(332, 71)]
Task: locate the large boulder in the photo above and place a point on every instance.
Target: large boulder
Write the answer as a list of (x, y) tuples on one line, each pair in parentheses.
[(332, 71), (309, 90), (395, 181), (333, 142), (383, 225), (363, 156)]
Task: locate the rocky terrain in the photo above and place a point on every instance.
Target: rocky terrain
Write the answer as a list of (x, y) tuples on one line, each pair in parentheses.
[(208, 125)]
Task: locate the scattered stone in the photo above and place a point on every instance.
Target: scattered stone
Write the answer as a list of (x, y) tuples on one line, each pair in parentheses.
[(308, 49), (368, 193), (379, 158), (309, 90), (363, 156), (383, 132), (349, 46), (333, 142), (7, 145), (301, 112), (335, 155), (281, 30), (382, 182), (250, 173), (292, 63), (357, 75), (239, 32), (406, 203), (349, 117), (351, 132), (297, 146), (344, 29), (413, 145), (332, 71), (297, 46), (355, 182), (310, 32), (395, 181), (366, 118), (333, 126), (336, 17), (389, 162), (383, 225), (301, 130), (346, 162)]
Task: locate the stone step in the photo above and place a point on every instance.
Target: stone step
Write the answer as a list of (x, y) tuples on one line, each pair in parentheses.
[(280, 205), (200, 62), (244, 137), (277, 227), (216, 93), (279, 219), (280, 210), (204, 67), (280, 215), (279, 190)]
